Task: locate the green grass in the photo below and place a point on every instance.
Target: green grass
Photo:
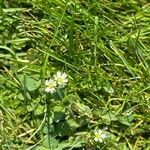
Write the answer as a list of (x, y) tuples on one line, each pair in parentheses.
[(103, 46)]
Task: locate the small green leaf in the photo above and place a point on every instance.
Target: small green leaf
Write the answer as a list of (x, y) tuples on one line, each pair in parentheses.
[(50, 140), (109, 90), (72, 123), (124, 120), (64, 144), (41, 148), (59, 113), (31, 84), (122, 146)]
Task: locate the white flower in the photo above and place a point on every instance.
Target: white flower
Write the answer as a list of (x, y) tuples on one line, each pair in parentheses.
[(61, 78), (51, 86), (99, 136)]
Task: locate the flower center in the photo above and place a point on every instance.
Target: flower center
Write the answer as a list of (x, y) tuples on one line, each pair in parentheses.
[(97, 135), (50, 85), (60, 80)]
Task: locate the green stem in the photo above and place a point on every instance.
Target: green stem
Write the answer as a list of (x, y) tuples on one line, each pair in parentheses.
[(59, 93), (48, 118), (47, 55)]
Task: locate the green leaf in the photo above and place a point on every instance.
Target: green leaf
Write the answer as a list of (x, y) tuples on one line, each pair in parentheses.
[(50, 140), (41, 148), (66, 128), (124, 120), (31, 84), (109, 90), (71, 143), (64, 144), (59, 113), (72, 123), (122, 146), (108, 117)]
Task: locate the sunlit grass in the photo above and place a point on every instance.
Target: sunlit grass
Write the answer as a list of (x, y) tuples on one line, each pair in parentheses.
[(102, 46)]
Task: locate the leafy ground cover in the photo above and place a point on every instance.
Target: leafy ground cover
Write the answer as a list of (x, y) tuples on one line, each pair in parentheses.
[(103, 49)]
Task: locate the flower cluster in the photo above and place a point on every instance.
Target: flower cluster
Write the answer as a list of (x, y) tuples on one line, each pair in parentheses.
[(58, 81), (99, 136)]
